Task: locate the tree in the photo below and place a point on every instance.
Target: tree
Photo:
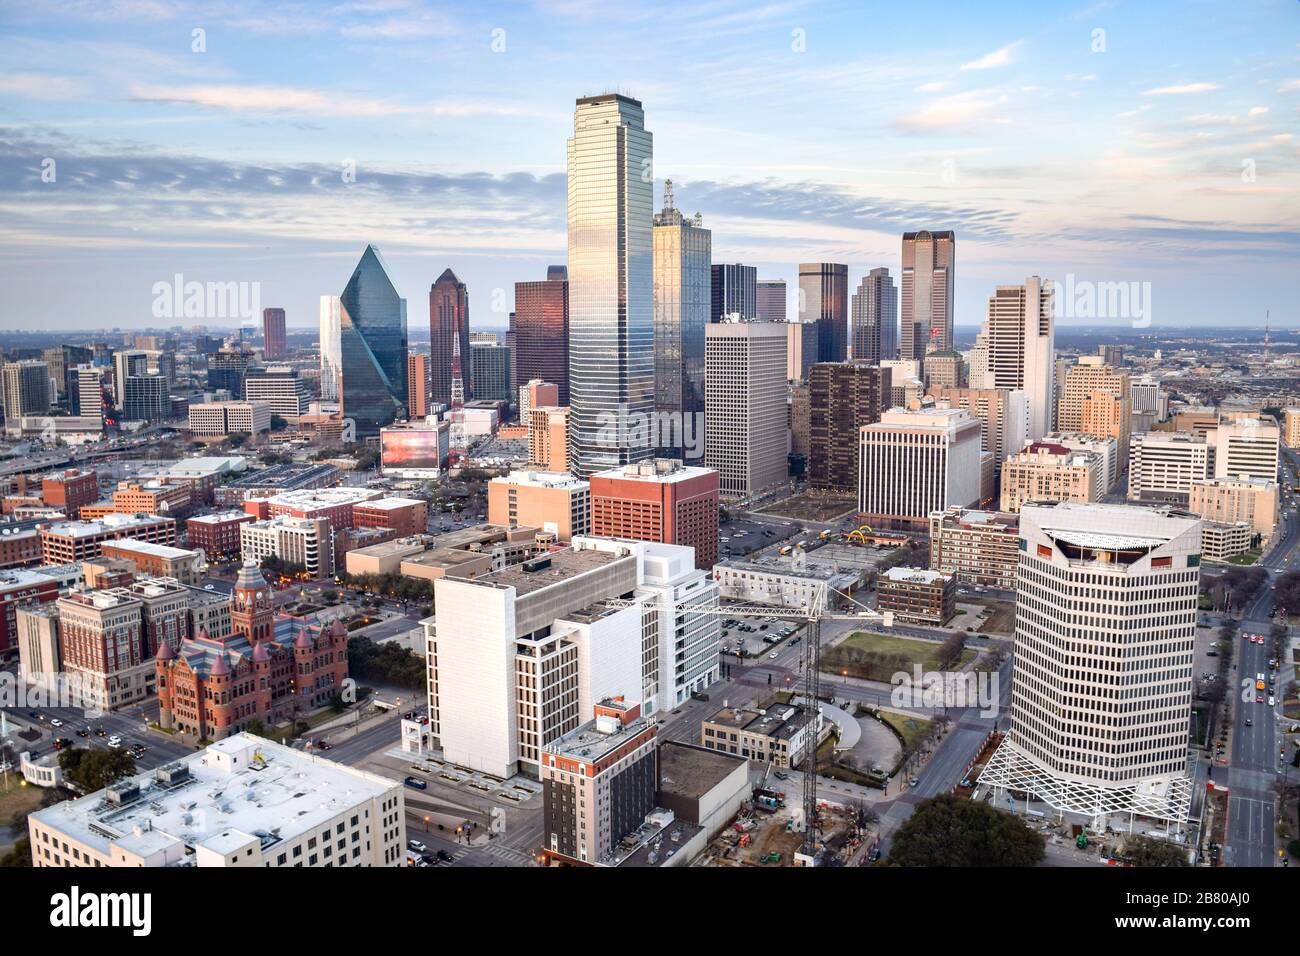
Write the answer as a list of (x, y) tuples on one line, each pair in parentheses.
[(862, 815), (948, 830), (20, 854), (255, 727), (1148, 851), (95, 768)]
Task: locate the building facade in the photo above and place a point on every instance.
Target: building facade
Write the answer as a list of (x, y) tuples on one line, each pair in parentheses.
[(745, 407)]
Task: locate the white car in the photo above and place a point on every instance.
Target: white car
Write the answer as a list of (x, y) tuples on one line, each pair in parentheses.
[(1259, 677), (114, 743), (772, 656), (55, 722), (1271, 700)]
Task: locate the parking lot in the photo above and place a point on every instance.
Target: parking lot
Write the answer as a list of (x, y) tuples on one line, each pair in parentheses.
[(742, 536), (754, 637)]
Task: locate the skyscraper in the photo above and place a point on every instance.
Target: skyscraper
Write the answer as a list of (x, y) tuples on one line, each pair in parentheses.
[(824, 299), (682, 250), (372, 336), (273, 335), (1019, 340), (734, 293), (26, 389), (1106, 601), (1096, 400), (491, 364), (875, 318), (541, 331), (611, 321), (927, 306), (771, 300), (417, 385), (745, 406), (449, 320), (331, 347), (842, 398)]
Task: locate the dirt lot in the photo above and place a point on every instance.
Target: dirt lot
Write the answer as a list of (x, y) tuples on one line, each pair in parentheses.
[(812, 507)]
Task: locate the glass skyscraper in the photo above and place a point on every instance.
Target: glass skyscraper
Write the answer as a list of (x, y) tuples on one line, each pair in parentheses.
[(824, 299), (331, 350), (926, 309), (372, 342), (875, 318), (682, 253), (611, 330)]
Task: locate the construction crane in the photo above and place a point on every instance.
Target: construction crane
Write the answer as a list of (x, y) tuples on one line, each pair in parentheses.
[(812, 611)]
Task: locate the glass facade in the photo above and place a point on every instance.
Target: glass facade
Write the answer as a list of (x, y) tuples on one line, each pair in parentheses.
[(372, 336), (824, 300), (875, 318), (683, 251), (611, 330), (541, 331), (449, 319), (331, 349)]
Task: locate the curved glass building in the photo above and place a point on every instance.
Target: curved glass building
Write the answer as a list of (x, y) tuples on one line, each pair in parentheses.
[(372, 345)]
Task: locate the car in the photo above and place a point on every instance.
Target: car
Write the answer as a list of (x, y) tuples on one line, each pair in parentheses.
[(417, 783), (1249, 722), (1259, 698), (445, 857), (1271, 700), (83, 732), (772, 656), (115, 738), (101, 732), (874, 855), (55, 722), (781, 775), (324, 745), (209, 587), (913, 782), (115, 744), (1259, 676), (417, 846)]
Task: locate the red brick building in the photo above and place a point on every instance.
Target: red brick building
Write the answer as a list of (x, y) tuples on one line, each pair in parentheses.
[(269, 667), (16, 589), (216, 535), (69, 490), (20, 548), (660, 500), (406, 516)]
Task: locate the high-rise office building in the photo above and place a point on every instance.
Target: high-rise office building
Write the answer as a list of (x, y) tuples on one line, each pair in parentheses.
[(372, 335), (331, 347), (916, 462), (745, 406), (1020, 340), (93, 397), (1247, 447), (926, 312), (611, 293), (27, 389), (682, 250), (734, 295), (280, 387), (274, 344), (659, 500), (824, 299), (770, 299), (1162, 466), (1095, 731), (875, 318), (1096, 400), (449, 321), (126, 364), (491, 364), (944, 370), (842, 397), (541, 330), (1003, 415), (800, 349), (419, 382), (145, 399)]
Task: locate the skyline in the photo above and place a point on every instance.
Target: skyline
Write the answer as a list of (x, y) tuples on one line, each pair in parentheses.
[(1045, 157)]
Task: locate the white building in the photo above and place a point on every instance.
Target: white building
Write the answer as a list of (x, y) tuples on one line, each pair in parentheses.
[(1247, 448), (1107, 448), (916, 462), (745, 406), (1163, 465), (305, 541), (1019, 340), (241, 802), (1106, 606), (212, 419)]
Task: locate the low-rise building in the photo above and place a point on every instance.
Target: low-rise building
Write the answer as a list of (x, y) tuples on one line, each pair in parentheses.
[(1045, 471), (158, 560), (776, 733), (217, 535), (406, 516), (292, 809), (1221, 540), (977, 547), (70, 541), (553, 501), (1230, 500), (308, 542), (216, 419), (150, 498), (915, 594)]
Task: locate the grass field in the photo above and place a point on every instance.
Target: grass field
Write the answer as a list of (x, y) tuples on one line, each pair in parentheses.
[(914, 652), (810, 507), (912, 729), (16, 799)]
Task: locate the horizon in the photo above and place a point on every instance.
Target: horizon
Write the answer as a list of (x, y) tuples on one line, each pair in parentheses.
[(144, 140)]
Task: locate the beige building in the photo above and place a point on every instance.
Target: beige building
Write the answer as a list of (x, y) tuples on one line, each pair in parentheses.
[(745, 406), (552, 501), (39, 660), (1048, 472), (158, 560), (1003, 415), (1163, 465), (548, 437), (1291, 427), (1230, 500), (308, 542), (1096, 400), (1247, 447), (292, 809), (775, 733), (214, 419), (977, 547), (385, 557), (1221, 540)]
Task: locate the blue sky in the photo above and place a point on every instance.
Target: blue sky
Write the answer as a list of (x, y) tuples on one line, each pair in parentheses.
[(1161, 150)]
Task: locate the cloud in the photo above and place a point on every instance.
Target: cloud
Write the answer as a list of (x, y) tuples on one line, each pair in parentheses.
[(954, 112), (989, 61), (40, 86), (284, 99), (1179, 90)]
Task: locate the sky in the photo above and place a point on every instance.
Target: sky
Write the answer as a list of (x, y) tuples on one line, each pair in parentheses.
[(1146, 143)]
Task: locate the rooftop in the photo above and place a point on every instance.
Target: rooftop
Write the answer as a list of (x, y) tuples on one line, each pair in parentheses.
[(238, 790), (392, 504), (156, 550), (542, 479), (221, 517), (308, 499), (693, 771), (549, 569), (664, 470), (915, 576), (105, 525)]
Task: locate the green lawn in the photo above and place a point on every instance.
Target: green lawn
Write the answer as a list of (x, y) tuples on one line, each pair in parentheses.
[(916, 651), (16, 798), (1246, 557), (912, 729)]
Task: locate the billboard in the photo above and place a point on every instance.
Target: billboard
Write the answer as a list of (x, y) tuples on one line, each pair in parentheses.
[(412, 452)]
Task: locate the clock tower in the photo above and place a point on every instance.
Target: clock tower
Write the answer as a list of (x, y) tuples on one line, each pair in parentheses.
[(251, 613)]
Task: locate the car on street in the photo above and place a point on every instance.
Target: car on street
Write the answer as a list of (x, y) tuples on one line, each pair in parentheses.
[(83, 732), (115, 744), (55, 722), (417, 783), (417, 846), (1259, 698), (781, 775), (1249, 722), (772, 656), (874, 855), (1272, 700), (445, 857)]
